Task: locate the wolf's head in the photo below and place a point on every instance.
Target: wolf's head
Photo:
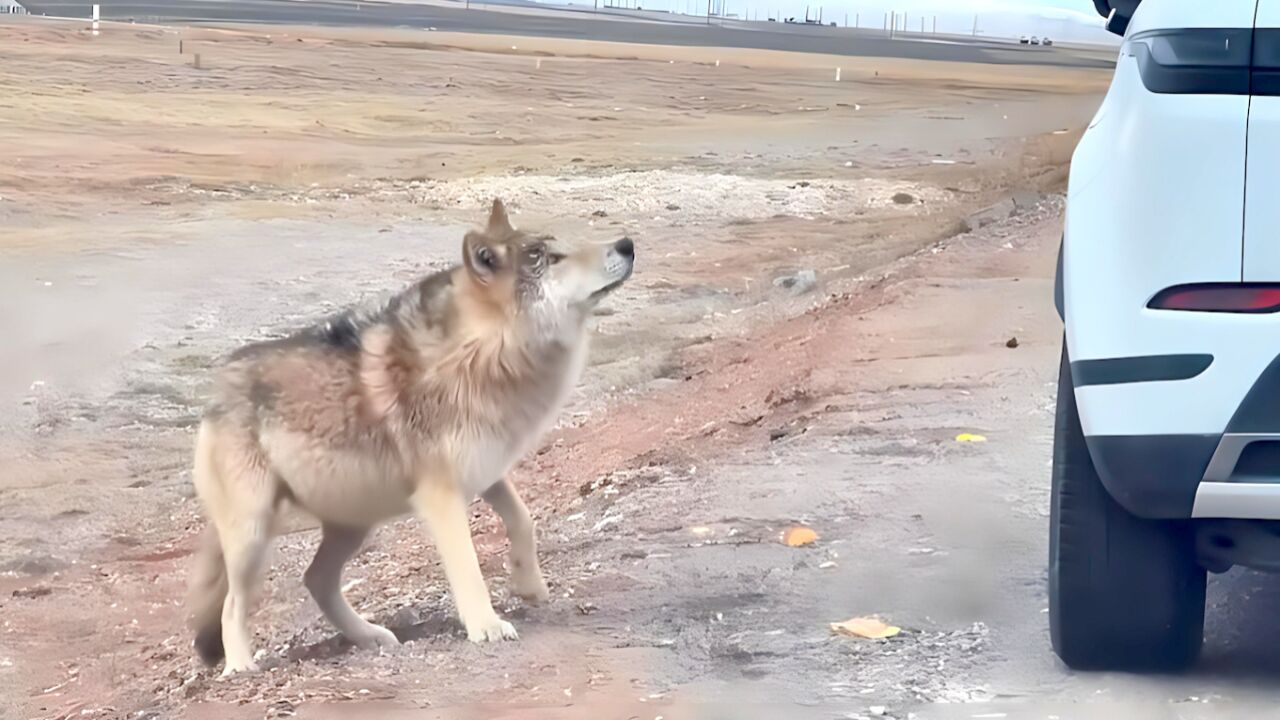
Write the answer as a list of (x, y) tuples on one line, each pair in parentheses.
[(536, 280)]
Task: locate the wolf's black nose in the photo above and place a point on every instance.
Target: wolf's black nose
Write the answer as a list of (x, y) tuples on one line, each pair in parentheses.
[(625, 247)]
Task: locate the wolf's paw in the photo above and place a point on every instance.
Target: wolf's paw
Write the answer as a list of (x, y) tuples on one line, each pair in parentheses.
[(491, 630), (530, 587), (235, 668), (374, 637)]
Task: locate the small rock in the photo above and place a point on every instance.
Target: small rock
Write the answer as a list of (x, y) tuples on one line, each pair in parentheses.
[(1002, 210), (404, 618), (1026, 199), (799, 283), (658, 384), (33, 592), (1013, 343), (672, 207), (33, 565), (903, 198), (877, 710), (587, 608), (606, 521), (599, 213)]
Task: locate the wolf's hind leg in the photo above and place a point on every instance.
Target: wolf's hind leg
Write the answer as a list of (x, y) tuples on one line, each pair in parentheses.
[(245, 545), (324, 580)]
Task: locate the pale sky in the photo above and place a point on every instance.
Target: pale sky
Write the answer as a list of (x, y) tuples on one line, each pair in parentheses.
[(1060, 19)]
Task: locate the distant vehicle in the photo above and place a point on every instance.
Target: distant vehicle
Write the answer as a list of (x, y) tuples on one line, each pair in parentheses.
[(773, 20), (833, 24), (1024, 40), (1035, 40), (1046, 42)]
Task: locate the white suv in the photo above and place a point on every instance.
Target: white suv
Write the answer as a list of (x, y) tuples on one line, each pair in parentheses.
[(1167, 447)]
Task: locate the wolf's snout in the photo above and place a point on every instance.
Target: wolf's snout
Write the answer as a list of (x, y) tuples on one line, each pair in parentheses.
[(621, 259), (619, 263)]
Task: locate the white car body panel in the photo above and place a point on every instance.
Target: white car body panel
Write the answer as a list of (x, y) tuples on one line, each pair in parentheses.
[(1262, 192), (1155, 199), (1169, 189), (1162, 14)]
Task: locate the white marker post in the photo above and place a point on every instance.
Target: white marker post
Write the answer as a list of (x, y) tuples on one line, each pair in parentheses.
[(538, 65), (96, 15), (837, 74)]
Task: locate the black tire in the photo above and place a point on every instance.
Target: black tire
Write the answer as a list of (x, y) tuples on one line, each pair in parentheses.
[(1125, 593)]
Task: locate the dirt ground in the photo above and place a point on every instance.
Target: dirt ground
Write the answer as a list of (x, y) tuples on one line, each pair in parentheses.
[(156, 214)]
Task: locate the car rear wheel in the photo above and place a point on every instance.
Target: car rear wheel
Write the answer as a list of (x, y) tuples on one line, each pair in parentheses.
[(1125, 593)]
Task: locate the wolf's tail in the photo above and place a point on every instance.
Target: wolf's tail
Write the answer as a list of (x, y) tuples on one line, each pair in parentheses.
[(207, 594)]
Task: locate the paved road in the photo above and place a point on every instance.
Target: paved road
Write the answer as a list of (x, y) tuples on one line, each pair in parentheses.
[(564, 24)]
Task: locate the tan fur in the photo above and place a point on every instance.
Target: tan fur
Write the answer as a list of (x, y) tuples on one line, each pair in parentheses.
[(417, 406)]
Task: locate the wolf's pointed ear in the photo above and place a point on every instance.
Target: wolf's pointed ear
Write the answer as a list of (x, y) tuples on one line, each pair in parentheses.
[(498, 221), (480, 257)]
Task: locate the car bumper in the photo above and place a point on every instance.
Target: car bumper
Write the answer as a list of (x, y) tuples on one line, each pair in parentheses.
[(1185, 435)]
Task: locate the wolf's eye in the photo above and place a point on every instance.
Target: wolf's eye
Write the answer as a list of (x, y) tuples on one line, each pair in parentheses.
[(555, 257), (535, 254), (486, 258)]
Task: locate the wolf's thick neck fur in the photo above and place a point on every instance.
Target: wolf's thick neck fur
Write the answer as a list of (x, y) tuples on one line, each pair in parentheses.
[(441, 350)]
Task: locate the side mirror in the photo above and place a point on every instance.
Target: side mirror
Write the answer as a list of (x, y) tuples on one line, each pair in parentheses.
[(1117, 12), (1117, 23)]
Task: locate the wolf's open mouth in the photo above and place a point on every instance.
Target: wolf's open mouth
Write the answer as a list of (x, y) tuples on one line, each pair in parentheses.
[(611, 268), (607, 289)]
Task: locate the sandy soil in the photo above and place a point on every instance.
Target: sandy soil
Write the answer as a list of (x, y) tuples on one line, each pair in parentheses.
[(156, 214)]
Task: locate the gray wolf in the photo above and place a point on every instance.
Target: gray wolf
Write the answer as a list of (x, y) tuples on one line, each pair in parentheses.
[(417, 406)]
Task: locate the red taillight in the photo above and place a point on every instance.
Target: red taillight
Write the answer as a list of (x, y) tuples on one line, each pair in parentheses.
[(1220, 297)]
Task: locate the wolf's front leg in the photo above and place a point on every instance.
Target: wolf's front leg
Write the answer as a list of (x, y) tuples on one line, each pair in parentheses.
[(526, 574), (445, 512)]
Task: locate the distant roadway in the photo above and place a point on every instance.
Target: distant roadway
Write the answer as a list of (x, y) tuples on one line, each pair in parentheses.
[(570, 24)]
